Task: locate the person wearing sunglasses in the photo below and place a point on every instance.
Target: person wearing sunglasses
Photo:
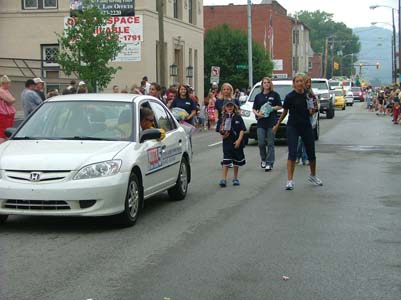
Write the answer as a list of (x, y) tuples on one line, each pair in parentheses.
[(147, 121)]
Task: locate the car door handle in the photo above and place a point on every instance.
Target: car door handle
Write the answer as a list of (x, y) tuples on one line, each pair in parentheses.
[(179, 141), (164, 147)]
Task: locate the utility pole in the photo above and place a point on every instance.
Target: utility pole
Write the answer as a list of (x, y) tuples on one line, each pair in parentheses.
[(399, 40), (394, 51), (326, 51), (332, 58), (162, 49), (250, 65)]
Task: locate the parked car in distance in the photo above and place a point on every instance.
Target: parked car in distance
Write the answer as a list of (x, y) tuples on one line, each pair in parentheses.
[(346, 84), (349, 98), (334, 84), (340, 98), (282, 87), (87, 155), (357, 93), (321, 88)]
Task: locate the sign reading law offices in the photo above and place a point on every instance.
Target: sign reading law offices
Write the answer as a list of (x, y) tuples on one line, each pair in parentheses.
[(111, 7)]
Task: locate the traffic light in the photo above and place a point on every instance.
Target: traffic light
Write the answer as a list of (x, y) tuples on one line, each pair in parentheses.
[(377, 65)]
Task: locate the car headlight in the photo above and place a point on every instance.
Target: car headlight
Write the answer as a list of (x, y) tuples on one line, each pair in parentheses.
[(101, 169), (245, 113)]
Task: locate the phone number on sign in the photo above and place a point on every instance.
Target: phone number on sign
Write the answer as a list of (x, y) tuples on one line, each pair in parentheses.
[(114, 12), (134, 37)]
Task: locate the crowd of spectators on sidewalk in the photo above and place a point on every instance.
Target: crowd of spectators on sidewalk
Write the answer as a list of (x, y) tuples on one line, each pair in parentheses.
[(384, 101)]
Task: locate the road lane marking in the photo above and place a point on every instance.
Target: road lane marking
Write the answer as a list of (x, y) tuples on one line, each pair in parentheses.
[(215, 144)]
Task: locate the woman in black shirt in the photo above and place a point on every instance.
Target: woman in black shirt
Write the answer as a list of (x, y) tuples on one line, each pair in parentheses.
[(298, 125)]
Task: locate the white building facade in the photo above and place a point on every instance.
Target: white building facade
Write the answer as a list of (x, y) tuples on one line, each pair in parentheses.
[(28, 43)]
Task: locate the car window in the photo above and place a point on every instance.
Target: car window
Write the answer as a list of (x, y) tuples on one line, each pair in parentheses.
[(283, 89), (162, 118), (319, 84), (280, 88), (80, 120), (339, 93)]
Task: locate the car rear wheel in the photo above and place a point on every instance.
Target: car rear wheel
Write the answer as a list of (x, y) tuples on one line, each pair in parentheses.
[(179, 191), (132, 204), (3, 218)]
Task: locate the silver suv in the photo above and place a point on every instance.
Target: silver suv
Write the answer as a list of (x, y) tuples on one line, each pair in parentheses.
[(321, 88)]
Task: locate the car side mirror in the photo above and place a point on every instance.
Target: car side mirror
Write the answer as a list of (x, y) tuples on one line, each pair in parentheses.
[(149, 134), (10, 131)]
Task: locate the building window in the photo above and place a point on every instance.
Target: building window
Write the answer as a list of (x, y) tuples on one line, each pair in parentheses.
[(177, 9), (175, 12), (295, 36), (309, 63), (50, 4), (39, 4), (49, 54), (190, 12), (30, 4)]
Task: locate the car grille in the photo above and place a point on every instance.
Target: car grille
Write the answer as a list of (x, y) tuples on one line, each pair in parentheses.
[(36, 204), (36, 176)]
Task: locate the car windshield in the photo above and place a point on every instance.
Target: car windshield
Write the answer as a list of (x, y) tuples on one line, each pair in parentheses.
[(334, 83), (339, 93), (355, 89), (282, 89), (320, 85), (79, 120)]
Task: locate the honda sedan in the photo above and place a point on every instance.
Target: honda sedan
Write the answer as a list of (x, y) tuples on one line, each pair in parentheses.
[(87, 155)]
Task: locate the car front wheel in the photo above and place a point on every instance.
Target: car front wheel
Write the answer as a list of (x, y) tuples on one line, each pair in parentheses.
[(179, 191), (132, 204)]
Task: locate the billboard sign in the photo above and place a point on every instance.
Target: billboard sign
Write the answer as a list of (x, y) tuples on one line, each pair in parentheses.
[(130, 32)]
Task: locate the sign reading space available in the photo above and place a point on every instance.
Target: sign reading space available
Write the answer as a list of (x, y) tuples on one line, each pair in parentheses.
[(129, 30)]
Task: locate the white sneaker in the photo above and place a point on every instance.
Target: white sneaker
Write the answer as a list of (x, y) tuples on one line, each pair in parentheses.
[(315, 180), (268, 168), (290, 185), (263, 164)]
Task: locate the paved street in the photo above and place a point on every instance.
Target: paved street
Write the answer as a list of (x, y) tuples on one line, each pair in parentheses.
[(339, 241)]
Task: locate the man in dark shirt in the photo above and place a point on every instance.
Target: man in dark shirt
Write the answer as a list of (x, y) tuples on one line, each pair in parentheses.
[(39, 87)]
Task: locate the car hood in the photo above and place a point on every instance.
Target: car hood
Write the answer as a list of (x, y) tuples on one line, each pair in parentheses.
[(56, 155)]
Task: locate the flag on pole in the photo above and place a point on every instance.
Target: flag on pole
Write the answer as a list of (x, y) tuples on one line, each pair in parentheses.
[(264, 39), (271, 35)]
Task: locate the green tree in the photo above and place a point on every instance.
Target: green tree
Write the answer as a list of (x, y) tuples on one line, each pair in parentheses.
[(87, 47), (228, 49), (341, 40)]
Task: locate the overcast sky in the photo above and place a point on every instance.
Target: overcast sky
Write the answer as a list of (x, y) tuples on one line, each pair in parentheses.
[(354, 13)]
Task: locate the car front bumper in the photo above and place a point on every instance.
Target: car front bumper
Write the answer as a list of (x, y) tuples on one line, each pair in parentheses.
[(87, 197)]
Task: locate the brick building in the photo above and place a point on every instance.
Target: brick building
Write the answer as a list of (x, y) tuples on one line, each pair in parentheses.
[(271, 28)]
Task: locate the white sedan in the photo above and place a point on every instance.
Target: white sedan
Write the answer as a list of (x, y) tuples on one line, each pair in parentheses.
[(86, 155)]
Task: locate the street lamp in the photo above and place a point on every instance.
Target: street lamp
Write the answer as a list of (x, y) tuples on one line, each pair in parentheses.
[(173, 70), (399, 34), (394, 51)]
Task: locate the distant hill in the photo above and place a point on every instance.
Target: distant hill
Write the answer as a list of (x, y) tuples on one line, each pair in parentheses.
[(376, 43)]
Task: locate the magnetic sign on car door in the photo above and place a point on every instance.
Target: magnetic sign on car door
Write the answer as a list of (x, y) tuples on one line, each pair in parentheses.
[(154, 158)]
